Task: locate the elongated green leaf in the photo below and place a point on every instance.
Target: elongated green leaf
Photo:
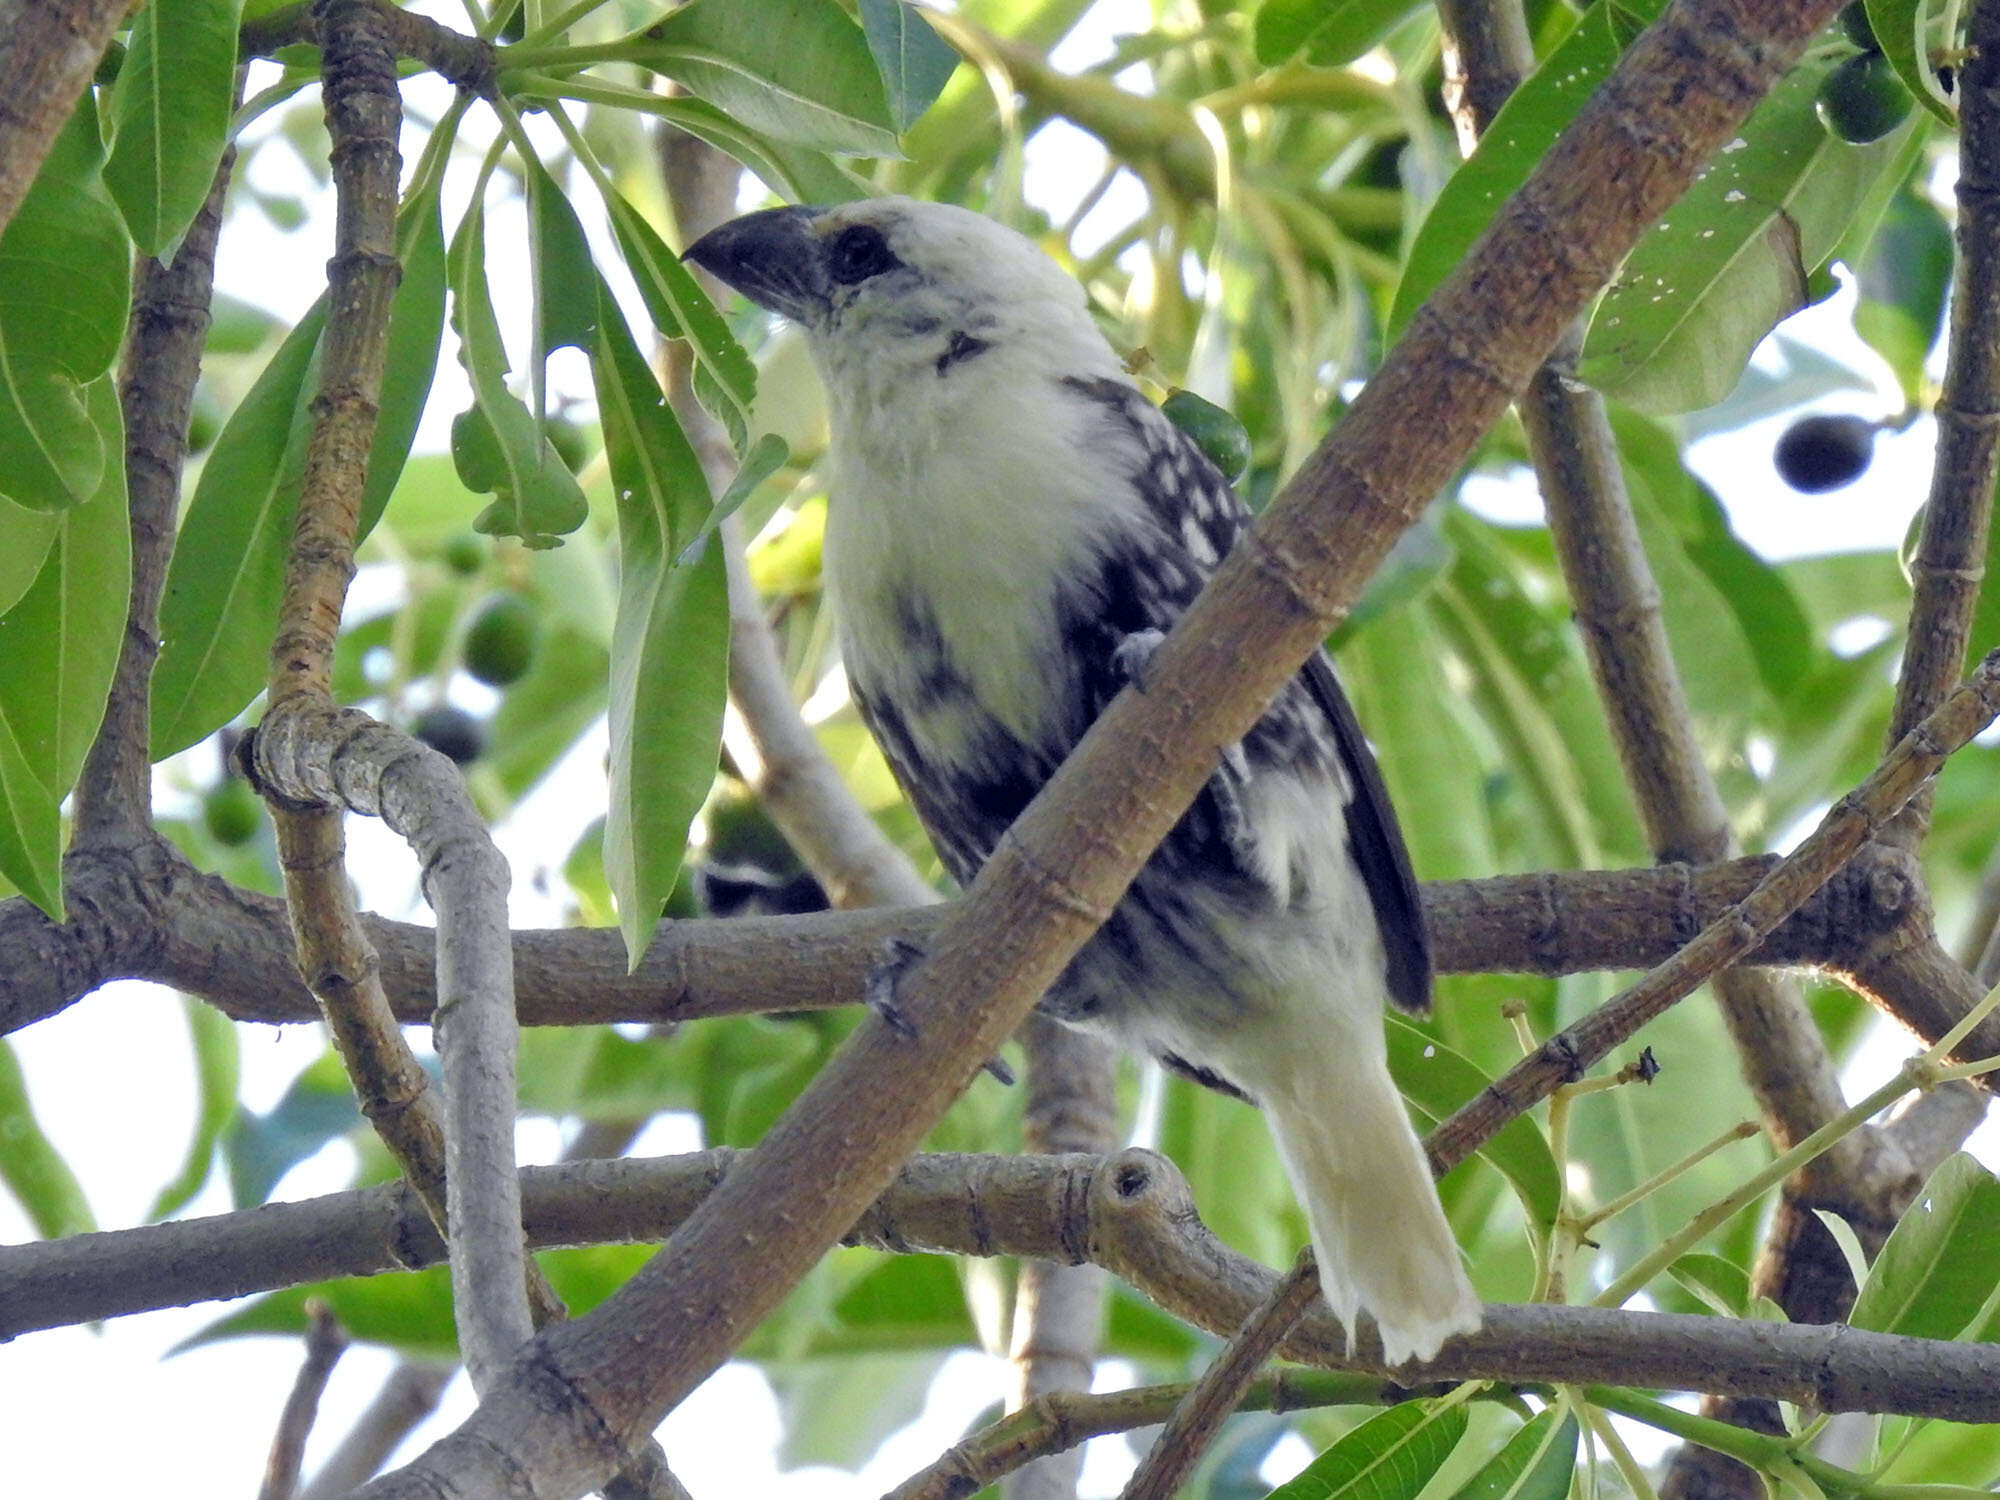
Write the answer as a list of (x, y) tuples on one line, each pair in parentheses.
[(170, 115), (498, 446), (1331, 33), (58, 649), (1936, 1273), (670, 646), (25, 536), (31, 1167), (215, 1069), (1536, 1464), (227, 574), (914, 60), (1519, 137), (797, 70), (1436, 1080), (63, 287), (1722, 1285), (1903, 278), (1732, 257), (1388, 1457), (1899, 30), (725, 379)]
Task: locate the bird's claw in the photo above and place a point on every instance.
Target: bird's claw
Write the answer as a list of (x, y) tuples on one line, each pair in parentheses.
[(1133, 657), (878, 990)]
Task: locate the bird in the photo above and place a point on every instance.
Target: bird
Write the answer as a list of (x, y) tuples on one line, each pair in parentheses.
[(1012, 527)]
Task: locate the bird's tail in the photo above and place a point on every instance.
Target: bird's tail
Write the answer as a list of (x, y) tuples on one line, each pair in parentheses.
[(1378, 1229)]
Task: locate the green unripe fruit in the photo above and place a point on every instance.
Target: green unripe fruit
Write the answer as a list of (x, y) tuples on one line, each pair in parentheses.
[(230, 812), (465, 554), (500, 646), (452, 732), (1822, 453), (1854, 23), (1221, 438), (1862, 100)]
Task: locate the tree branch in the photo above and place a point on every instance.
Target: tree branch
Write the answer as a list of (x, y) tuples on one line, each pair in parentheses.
[(467, 61), (163, 347), (147, 914), (409, 1395), (1130, 1213), (1951, 555), (48, 51), (325, 1342)]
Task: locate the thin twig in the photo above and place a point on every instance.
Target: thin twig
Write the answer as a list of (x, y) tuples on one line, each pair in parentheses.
[(409, 1395), (325, 1342), (467, 61)]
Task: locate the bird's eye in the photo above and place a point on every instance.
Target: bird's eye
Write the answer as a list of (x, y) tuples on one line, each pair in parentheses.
[(857, 253)]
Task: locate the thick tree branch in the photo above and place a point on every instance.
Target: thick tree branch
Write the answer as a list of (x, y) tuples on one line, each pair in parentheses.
[(156, 380), (147, 914), (48, 51), (1849, 824), (1951, 555), (325, 1342), (1130, 1213)]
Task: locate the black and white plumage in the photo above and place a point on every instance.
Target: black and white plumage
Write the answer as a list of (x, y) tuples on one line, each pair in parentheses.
[(1013, 526)]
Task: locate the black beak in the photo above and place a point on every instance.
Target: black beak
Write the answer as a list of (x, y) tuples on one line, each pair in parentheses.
[(773, 258)]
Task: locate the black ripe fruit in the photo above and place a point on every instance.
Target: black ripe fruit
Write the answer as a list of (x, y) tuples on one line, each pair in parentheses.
[(1822, 453), (451, 731)]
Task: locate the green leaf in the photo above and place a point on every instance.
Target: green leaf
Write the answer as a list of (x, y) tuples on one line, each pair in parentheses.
[(170, 115), (797, 70), (1732, 257), (565, 279), (498, 446), (1437, 1080), (215, 1068), (30, 1165), (725, 380), (766, 456), (915, 62), (670, 645), (1536, 1464), (58, 649), (1719, 1283), (1936, 1275), (1519, 137), (1331, 33), (317, 1108), (25, 537), (227, 575), (64, 280), (1388, 1457), (1903, 279), (1898, 26)]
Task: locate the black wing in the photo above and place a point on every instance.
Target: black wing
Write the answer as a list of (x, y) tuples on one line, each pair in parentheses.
[(1376, 841), (1181, 487)]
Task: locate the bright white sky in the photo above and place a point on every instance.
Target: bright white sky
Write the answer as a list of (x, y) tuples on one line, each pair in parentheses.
[(113, 1088)]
